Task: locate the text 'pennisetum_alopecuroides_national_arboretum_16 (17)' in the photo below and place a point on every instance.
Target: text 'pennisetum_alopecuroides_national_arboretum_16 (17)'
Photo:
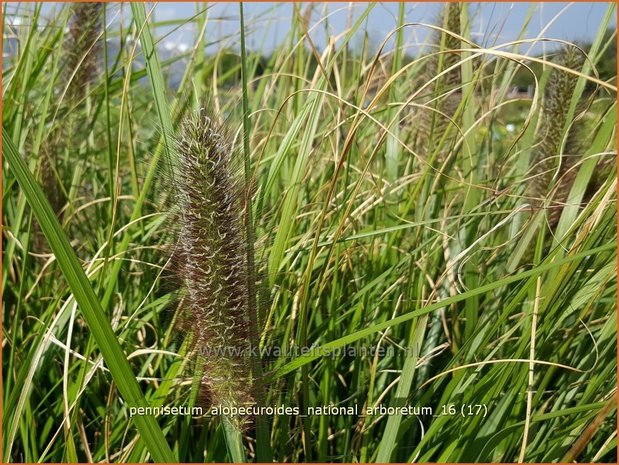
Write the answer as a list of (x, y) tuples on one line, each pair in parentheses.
[(309, 232)]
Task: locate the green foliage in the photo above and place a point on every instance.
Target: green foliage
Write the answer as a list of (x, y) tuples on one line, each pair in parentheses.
[(391, 269)]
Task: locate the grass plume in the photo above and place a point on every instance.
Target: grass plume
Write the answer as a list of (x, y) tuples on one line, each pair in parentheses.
[(210, 260), (81, 52), (83, 47), (443, 99), (552, 165)]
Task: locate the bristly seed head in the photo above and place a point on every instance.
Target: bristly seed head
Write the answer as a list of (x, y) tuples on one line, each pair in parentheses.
[(547, 158), (442, 96), (210, 260), (83, 46)]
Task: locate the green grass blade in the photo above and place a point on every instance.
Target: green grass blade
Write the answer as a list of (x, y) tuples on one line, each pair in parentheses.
[(263, 442), (156, 78), (234, 441), (388, 441), (318, 352), (88, 303), (166, 145)]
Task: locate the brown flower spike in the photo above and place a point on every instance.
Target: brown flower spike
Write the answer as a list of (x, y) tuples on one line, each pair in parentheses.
[(210, 260), (83, 47), (548, 156), (442, 98)]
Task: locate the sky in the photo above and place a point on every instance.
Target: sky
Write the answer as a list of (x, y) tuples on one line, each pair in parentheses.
[(491, 22), (269, 22)]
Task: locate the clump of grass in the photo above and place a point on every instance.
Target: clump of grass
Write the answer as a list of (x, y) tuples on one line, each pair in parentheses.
[(367, 256), (210, 260)]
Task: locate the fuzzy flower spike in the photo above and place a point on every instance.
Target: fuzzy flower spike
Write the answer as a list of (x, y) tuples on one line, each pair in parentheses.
[(547, 157), (210, 260)]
